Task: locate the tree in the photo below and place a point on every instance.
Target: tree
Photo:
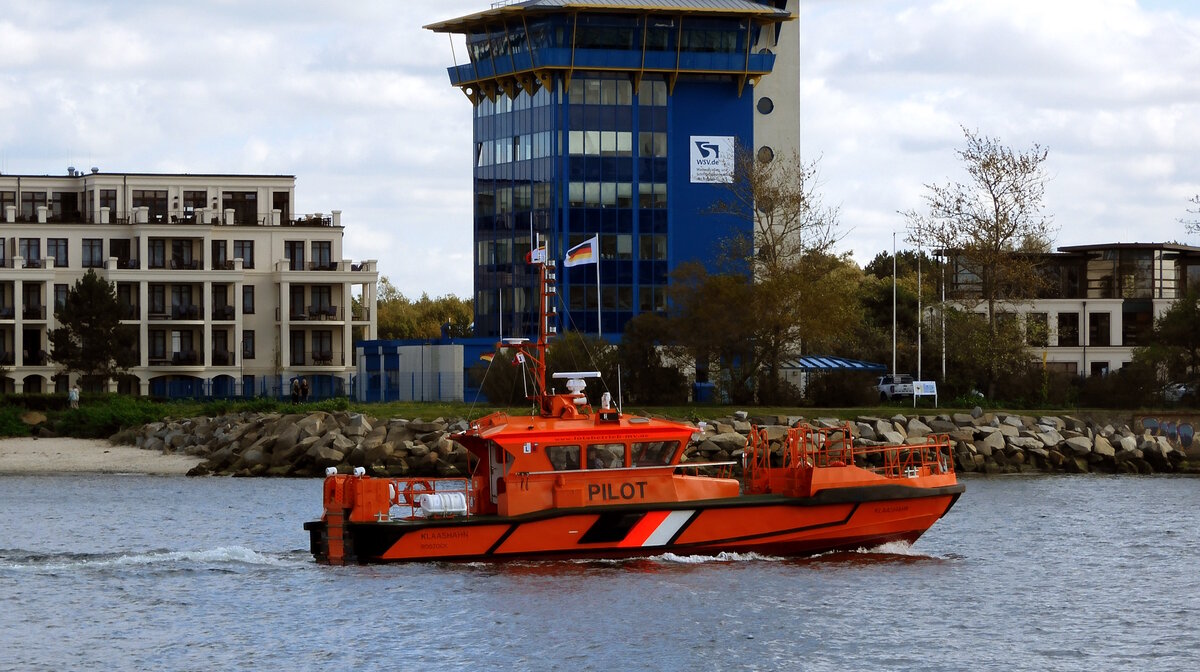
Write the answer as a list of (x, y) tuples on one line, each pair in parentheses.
[(399, 317), (92, 340), (793, 298), (1175, 344), (992, 229), (647, 377), (1193, 225)]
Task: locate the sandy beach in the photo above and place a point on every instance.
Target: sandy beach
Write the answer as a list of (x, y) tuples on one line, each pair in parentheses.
[(88, 456)]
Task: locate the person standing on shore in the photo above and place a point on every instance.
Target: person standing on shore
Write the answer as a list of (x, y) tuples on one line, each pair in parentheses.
[(295, 390), (304, 389), (73, 396)]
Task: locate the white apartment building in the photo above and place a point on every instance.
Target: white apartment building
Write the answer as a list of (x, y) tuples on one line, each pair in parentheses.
[(1099, 303), (233, 292)]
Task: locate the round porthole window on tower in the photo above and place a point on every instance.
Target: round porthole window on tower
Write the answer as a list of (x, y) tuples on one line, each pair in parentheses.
[(766, 154), (764, 51), (765, 105)]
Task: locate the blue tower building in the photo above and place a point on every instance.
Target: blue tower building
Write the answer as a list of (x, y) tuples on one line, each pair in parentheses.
[(613, 120)]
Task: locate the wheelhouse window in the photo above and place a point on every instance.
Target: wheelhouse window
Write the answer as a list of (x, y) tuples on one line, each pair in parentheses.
[(563, 458), (606, 456), (653, 453)]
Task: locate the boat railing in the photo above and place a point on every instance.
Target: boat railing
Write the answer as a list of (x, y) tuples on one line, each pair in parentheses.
[(450, 497), (711, 469), (908, 460), (767, 460)]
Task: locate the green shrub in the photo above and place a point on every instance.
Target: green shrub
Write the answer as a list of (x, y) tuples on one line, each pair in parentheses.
[(106, 416), (10, 421)]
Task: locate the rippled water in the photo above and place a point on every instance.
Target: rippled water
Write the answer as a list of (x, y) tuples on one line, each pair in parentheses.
[(1025, 573)]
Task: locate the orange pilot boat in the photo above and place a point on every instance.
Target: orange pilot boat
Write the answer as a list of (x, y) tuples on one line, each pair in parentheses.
[(577, 482)]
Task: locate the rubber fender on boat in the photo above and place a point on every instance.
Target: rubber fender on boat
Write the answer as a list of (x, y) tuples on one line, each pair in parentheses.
[(444, 504)]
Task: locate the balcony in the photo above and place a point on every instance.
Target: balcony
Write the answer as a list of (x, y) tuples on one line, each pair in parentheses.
[(7, 313), (318, 358), (324, 313), (222, 313), (33, 312), (185, 312), (223, 358)]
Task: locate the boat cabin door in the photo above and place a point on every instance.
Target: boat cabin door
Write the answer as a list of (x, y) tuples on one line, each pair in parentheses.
[(498, 463)]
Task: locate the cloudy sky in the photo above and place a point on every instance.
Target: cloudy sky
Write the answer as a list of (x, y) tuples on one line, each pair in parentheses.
[(353, 99)]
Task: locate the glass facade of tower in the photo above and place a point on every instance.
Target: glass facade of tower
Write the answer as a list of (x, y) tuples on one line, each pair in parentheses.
[(584, 122)]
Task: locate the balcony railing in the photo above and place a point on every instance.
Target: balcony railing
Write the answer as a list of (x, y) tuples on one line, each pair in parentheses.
[(34, 312), (318, 358), (222, 313), (188, 312), (7, 313)]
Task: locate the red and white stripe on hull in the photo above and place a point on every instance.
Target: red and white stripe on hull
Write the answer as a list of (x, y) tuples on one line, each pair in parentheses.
[(657, 528)]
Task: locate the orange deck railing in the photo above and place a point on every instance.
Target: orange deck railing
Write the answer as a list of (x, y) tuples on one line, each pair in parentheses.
[(785, 463)]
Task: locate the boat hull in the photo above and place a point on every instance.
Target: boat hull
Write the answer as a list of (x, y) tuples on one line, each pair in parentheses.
[(838, 519)]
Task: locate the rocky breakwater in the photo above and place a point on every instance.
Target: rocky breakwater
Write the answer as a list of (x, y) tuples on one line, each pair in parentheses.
[(300, 445)]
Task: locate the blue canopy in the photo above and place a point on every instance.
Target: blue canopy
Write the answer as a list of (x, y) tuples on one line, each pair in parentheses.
[(829, 363)]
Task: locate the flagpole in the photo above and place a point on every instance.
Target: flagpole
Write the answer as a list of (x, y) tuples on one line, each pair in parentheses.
[(599, 324)]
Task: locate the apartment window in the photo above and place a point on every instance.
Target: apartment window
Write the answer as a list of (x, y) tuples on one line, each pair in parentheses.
[(244, 250), (297, 338), (93, 252), (158, 299), (30, 201), (244, 205), (322, 251), (108, 199), (322, 345), (181, 254), (248, 344), (56, 249), (322, 297), (155, 200), (293, 251), (158, 344), (1068, 330), (296, 304), (248, 299), (193, 201), (60, 297), (7, 198), (31, 251), (157, 250), (220, 254), (1098, 329)]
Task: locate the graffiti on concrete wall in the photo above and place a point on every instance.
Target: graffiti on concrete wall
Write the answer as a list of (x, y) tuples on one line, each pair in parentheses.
[(1180, 431)]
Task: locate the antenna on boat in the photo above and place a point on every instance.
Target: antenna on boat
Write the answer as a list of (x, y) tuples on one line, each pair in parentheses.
[(620, 398)]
